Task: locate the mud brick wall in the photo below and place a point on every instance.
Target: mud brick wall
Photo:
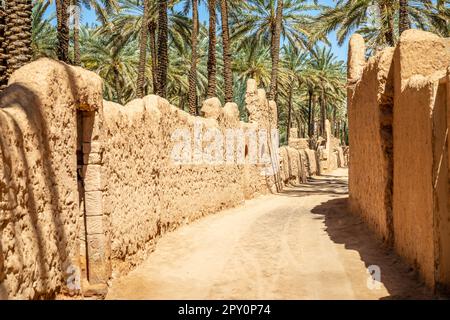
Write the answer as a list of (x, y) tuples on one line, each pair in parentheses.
[(88, 186), (399, 163)]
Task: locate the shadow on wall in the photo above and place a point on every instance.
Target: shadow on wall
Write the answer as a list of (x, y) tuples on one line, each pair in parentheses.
[(400, 280), (22, 206)]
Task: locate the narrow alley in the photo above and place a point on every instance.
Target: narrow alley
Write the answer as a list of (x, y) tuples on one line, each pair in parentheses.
[(300, 244)]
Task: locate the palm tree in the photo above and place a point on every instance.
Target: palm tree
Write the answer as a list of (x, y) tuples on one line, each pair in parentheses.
[(44, 40), (293, 75), (404, 22), (376, 19), (264, 22), (329, 74), (276, 34), (439, 17), (142, 51), (180, 66), (227, 71), (253, 62), (212, 64), (62, 15), (127, 23), (152, 28), (193, 71), (102, 9), (163, 58), (114, 59), (3, 60), (17, 33)]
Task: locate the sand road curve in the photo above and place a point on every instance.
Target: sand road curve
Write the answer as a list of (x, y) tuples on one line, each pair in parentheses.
[(300, 244)]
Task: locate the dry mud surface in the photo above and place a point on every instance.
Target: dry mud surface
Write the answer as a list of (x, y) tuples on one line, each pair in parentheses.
[(299, 244)]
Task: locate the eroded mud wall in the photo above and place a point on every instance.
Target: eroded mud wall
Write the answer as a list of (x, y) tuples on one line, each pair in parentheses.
[(88, 186), (398, 111), (39, 202), (420, 151), (370, 102), (147, 193)]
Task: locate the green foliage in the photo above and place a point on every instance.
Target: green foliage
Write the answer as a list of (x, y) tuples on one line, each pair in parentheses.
[(311, 81)]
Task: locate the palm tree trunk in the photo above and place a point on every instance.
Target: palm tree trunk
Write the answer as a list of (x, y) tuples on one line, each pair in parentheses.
[(276, 51), (193, 71), (18, 34), (142, 53), (404, 22), (386, 7), (288, 127), (299, 126), (62, 29), (154, 54), (76, 42), (323, 114), (227, 71), (3, 57), (212, 63), (117, 85), (163, 53), (334, 123), (315, 130), (310, 114)]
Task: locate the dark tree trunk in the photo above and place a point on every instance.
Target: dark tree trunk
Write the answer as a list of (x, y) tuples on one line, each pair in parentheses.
[(62, 15), (288, 126), (140, 90), (3, 44), (193, 71), (333, 123), (227, 71), (76, 39), (76, 43), (323, 114), (404, 22), (276, 34), (313, 116), (154, 54), (212, 63), (117, 85), (299, 126), (163, 39), (310, 115), (18, 34)]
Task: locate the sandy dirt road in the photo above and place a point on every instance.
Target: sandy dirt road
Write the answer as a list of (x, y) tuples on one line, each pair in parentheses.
[(300, 244)]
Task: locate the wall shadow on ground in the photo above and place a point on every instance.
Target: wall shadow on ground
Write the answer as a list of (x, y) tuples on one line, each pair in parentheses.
[(335, 185), (401, 281)]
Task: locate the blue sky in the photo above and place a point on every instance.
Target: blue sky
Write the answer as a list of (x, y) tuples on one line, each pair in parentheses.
[(340, 51)]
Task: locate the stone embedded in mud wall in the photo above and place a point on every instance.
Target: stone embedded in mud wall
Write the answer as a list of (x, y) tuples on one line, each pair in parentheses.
[(398, 124)]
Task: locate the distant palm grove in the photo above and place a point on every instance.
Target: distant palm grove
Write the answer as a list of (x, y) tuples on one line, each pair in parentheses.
[(142, 47)]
